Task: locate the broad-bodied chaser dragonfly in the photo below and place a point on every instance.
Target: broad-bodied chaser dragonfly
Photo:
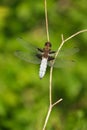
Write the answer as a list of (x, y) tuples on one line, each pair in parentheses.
[(44, 56)]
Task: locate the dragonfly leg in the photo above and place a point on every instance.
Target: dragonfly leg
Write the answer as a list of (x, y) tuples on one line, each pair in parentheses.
[(39, 56), (50, 58), (41, 50), (52, 52)]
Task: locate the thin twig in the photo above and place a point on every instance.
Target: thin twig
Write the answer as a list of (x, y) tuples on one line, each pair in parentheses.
[(46, 18), (47, 117), (57, 102), (85, 30), (63, 41), (50, 86), (62, 37)]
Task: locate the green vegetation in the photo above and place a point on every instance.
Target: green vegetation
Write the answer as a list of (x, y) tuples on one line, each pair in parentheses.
[(23, 96)]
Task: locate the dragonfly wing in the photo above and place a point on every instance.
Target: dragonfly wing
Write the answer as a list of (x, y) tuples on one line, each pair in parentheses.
[(61, 63), (68, 52), (63, 60), (29, 57), (27, 45)]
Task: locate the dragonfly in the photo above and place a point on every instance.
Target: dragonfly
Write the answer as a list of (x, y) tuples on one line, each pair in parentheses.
[(45, 56)]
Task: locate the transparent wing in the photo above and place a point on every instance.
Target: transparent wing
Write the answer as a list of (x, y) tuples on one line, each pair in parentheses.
[(29, 57), (63, 60), (68, 52), (62, 63), (27, 45)]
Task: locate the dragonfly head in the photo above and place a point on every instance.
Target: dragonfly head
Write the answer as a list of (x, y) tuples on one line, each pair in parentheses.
[(48, 44)]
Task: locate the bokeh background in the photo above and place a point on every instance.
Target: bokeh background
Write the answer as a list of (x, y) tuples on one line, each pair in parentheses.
[(24, 97)]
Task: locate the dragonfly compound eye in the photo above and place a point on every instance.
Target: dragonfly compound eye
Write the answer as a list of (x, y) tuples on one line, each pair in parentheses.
[(48, 44)]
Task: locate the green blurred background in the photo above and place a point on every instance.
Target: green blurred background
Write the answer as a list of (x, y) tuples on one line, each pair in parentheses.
[(24, 97)]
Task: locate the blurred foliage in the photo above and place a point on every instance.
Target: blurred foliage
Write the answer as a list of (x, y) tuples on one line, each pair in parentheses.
[(23, 96)]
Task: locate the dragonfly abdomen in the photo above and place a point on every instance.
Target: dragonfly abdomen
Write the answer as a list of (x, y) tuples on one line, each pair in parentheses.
[(43, 67)]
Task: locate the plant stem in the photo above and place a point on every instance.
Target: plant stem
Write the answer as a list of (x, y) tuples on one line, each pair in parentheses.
[(46, 20)]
